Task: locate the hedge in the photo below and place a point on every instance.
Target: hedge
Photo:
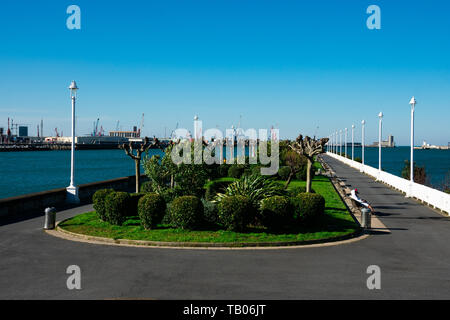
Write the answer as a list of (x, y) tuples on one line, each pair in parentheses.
[(307, 206), (276, 212), (117, 205), (98, 200), (234, 211), (186, 212), (151, 210)]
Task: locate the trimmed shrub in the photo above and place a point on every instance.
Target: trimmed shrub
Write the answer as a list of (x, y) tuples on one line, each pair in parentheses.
[(151, 209), (117, 206), (98, 200), (133, 204), (284, 173), (216, 186), (307, 206), (186, 212), (234, 211), (276, 212), (293, 192), (210, 212), (235, 171), (358, 159), (146, 187)]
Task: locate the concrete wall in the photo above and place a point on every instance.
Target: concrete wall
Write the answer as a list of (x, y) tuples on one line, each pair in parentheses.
[(35, 203)]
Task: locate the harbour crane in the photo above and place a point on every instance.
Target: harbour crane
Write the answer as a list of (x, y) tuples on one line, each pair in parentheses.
[(94, 133)]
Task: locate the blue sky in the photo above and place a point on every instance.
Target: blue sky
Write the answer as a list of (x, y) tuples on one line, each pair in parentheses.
[(297, 65)]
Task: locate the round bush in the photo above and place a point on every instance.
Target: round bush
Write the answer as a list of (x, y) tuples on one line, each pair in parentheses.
[(293, 192), (117, 205), (307, 206), (235, 171), (284, 172), (186, 212), (234, 211), (276, 212), (98, 200), (146, 187), (151, 209)]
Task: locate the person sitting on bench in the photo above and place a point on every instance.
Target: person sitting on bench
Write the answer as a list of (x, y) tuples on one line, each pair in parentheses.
[(354, 195)]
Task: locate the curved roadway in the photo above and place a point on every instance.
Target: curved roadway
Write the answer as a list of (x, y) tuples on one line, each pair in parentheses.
[(414, 260)]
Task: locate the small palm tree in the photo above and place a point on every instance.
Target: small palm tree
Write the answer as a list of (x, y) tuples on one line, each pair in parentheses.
[(254, 187)]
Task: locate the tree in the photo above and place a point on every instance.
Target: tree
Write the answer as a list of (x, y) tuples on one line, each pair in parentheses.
[(309, 148), (295, 162), (420, 175), (128, 148)]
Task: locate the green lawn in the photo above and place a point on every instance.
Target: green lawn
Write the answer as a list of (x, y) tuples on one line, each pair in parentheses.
[(336, 222)]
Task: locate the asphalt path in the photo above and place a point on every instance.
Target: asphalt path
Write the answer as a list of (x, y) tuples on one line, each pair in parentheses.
[(414, 260)]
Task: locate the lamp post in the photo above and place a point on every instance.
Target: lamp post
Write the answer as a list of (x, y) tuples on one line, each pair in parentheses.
[(336, 144), (345, 143), (353, 142), (332, 142), (362, 144), (340, 142), (412, 102), (72, 190), (380, 127)]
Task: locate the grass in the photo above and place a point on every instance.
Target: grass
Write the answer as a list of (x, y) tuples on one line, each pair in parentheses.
[(336, 222)]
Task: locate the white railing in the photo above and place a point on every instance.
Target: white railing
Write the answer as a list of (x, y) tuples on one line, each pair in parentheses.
[(435, 198)]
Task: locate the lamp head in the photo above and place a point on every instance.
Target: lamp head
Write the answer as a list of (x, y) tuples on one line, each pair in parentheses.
[(380, 115), (413, 101), (353, 126), (73, 88), (363, 122)]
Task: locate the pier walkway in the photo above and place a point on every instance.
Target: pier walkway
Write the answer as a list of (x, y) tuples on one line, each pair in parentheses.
[(414, 259)]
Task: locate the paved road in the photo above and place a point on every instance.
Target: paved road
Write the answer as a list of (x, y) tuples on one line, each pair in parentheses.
[(414, 260)]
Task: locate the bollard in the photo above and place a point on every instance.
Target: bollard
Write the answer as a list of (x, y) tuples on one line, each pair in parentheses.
[(50, 217), (366, 217)]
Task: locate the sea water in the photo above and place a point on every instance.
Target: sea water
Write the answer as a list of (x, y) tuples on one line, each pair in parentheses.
[(35, 171)]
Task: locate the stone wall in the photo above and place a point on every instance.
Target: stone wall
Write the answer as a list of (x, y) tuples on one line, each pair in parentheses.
[(35, 203)]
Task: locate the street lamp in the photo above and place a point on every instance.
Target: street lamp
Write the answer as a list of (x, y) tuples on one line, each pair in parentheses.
[(380, 116), (345, 143), (336, 144), (412, 102), (362, 144), (340, 142), (72, 190), (353, 142)]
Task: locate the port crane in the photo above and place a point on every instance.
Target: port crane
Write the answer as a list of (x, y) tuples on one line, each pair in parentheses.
[(94, 132)]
